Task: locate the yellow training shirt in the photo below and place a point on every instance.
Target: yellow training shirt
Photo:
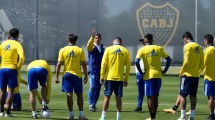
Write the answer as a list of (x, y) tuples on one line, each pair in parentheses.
[(193, 60), (209, 67), (12, 54), (43, 64), (72, 56), (113, 62), (90, 44), (151, 55)]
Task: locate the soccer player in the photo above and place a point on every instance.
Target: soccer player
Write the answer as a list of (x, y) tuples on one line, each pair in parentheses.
[(209, 68), (151, 56), (189, 74), (12, 58), (73, 58), (140, 87), (95, 53), (112, 70), (39, 71)]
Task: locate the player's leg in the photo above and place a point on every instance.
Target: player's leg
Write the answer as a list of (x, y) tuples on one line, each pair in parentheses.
[(192, 92), (32, 87), (184, 89), (91, 91), (67, 86), (3, 86), (108, 89), (17, 102), (118, 90), (12, 84), (140, 87), (174, 107), (97, 93)]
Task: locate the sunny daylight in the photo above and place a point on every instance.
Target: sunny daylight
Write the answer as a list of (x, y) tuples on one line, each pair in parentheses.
[(107, 59)]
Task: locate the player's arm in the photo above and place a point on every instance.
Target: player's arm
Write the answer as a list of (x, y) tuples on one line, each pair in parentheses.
[(104, 66), (90, 43), (205, 60), (21, 56), (202, 62), (84, 66), (128, 66), (186, 60), (168, 60), (137, 62), (58, 66), (49, 83), (23, 82)]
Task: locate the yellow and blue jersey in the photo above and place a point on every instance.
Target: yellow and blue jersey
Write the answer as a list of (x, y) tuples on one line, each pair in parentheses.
[(43, 64), (72, 56), (208, 66), (193, 60), (151, 56), (113, 62), (12, 54)]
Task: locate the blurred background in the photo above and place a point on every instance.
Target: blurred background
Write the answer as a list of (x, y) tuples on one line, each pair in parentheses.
[(45, 24)]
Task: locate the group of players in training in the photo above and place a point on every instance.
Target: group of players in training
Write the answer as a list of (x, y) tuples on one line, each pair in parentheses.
[(106, 66)]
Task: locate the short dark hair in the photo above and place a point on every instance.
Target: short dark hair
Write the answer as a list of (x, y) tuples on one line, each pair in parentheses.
[(209, 38), (98, 34), (14, 33), (148, 36), (119, 39), (188, 35), (72, 37)]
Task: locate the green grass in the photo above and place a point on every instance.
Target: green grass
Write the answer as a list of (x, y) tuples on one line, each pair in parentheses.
[(168, 94)]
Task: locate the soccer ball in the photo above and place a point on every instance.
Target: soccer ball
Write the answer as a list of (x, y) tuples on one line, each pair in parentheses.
[(45, 113)]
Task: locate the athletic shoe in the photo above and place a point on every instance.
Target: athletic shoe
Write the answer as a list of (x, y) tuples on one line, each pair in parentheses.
[(83, 118), (34, 117), (190, 118), (181, 118), (103, 118), (210, 117), (138, 109), (169, 111), (150, 119), (1, 114), (188, 113), (93, 109), (9, 115), (70, 118), (45, 107)]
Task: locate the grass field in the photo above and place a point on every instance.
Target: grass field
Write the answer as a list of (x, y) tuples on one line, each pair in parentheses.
[(169, 90)]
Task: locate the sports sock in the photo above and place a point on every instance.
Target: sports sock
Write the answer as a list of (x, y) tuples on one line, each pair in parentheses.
[(183, 113), (2, 109), (103, 114), (71, 113), (8, 110), (153, 115), (118, 115), (192, 113), (34, 113), (81, 113), (175, 107)]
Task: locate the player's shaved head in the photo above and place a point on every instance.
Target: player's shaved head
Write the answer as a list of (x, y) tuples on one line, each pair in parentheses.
[(117, 41), (72, 38), (209, 38), (14, 33)]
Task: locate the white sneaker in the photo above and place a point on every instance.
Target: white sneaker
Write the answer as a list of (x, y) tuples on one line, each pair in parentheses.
[(102, 118), (182, 118), (9, 115), (1, 114)]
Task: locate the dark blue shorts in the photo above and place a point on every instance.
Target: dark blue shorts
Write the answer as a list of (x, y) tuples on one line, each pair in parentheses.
[(36, 75), (209, 88), (189, 86), (8, 77), (71, 82), (116, 86), (152, 87)]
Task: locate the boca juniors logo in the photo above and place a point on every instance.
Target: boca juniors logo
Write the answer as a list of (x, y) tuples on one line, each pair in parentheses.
[(161, 21)]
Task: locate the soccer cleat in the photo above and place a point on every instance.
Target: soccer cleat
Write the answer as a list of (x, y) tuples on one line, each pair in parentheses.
[(45, 107), (1, 114), (83, 118), (181, 118), (190, 118), (169, 111), (103, 118), (188, 113), (138, 109), (150, 118), (34, 117), (210, 117), (70, 118), (93, 109), (9, 115)]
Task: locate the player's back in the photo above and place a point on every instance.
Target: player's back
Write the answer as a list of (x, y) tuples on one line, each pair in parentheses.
[(117, 56), (38, 63), (209, 63), (72, 56), (9, 53), (193, 58), (151, 55)]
